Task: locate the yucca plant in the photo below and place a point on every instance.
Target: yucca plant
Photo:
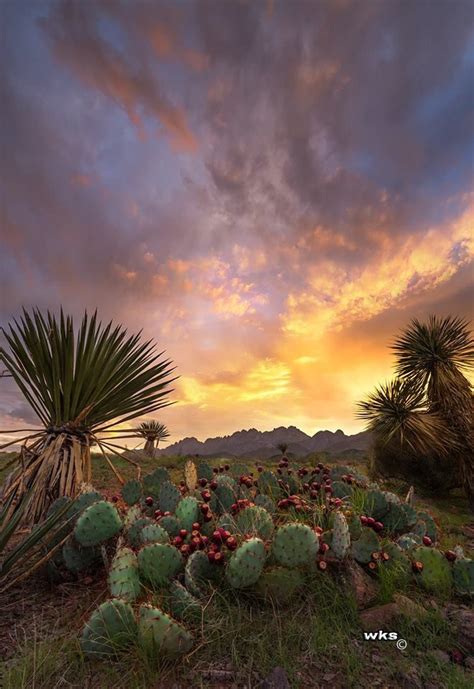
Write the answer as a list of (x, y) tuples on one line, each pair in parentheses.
[(80, 386), (437, 353), (282, 447), (32, 551), (153, 432)]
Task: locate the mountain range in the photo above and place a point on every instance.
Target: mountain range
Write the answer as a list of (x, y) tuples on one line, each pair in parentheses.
[(263, 444)]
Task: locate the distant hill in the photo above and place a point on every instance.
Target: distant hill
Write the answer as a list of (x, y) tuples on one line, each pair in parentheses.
[(263, 444)]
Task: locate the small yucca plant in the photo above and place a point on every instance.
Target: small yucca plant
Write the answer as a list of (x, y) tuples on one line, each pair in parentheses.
[(80, 385), (153, 432)]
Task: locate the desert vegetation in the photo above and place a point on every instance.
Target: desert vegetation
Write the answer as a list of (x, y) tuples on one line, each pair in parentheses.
[(205, 573)]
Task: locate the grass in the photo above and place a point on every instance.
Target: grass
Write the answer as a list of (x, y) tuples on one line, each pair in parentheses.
[(317, 636)]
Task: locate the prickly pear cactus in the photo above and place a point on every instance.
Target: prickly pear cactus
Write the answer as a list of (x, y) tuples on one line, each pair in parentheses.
[(294, 545), (159, 634), (341, 538), (134, 533), (237, 470), (431, 528), (132, 515), (255, 521), (132, 492), (399, 517), (409, 541), (171, 525), (152, 533), (190, 475), (225, 497), (187, 512), (97, 524), (199, 573), (183, 605), (110, 629), (266, 502), (168, 497), (85, 500), (124, 581), (341, 490), (205, 471), (463, 576), (246, 564), (376, 504), (436, 574), (363, 548), (158, 563), (268, 485), (279, 584), (152, 482), (355, 527), (77, 559)]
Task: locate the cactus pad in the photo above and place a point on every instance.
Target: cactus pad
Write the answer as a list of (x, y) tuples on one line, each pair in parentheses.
[(199, 573), (97, 524), (431, 529), (160, 634), (341, 538), (124, 581), (246, 564), (77, 559), (205, 471), (132, 491), (190, 475), (225, 497), (363, 548), (187, 512), (409, 541), (279, 584), (110, 629), (376, 504), (152, 482), (158, 563), (266, 502), (183, 605), (341, 490), (255, 521), (134, 533), (463, 576), (152, 533), (132, 514), (168, 497), (268, 484), (295, 544), (171, 525), (436, 574)]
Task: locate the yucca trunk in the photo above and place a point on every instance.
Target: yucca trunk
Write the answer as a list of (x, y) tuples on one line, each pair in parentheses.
[(149, 448), (55, 465)]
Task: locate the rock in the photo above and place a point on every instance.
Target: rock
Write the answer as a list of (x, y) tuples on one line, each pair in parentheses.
[(360, 585), (379, 617), (439, 655), (463, 620), (410, 680), (277, 679), (469, 663)]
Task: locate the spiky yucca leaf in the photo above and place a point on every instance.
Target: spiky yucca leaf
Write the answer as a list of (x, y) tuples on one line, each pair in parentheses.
[(398, 411), (79, 384), (153, 430)]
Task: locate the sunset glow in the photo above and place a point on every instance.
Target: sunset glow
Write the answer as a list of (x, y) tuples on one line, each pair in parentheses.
[(271, 200)]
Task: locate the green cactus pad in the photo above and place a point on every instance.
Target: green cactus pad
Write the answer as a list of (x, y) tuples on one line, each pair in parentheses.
[(76, 558), (246, 564), (398, 560), (205, 471), (183, 605), (171, 525), (97, 524), (227, 480), (187, 512), (436, 575), (391, 498), (341, 538), (463, 576), (159, 634), (237, 470), (355, 527), (149, 510), (225, 521), (225, 498), (168, 497), (431, 529), (268, 485), (124, 581), (152, 482), (110, 629), (363, 548), (279, 584), (199, 573), (58, 504), (134, 533), (376, 504), (132, 491), (85, 500), (341, 490), (266, 502), (409, 541), (152, 533), (294, 545), (158, 563), (255, 521)]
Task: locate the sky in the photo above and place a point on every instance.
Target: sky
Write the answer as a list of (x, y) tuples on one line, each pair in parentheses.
[(270, 190)]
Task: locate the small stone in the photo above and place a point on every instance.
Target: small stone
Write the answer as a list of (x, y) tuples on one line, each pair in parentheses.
[(463, 620), (277, 679), (410, 680), (408, 607), (469, 663), (360, 585), (439, 655), (379, 617)]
